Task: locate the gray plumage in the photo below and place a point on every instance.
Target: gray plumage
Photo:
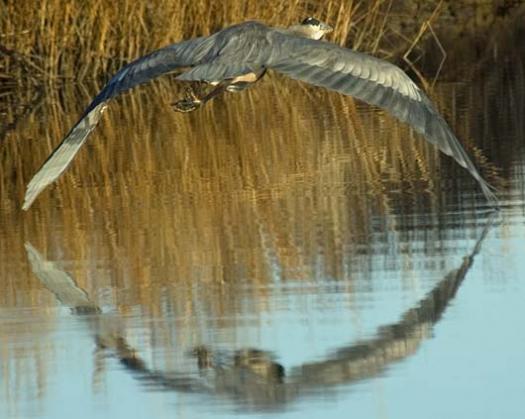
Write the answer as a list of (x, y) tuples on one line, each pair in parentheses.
[(251, 47)]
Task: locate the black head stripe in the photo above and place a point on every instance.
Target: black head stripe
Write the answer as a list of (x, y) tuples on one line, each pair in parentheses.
[(310, 21)]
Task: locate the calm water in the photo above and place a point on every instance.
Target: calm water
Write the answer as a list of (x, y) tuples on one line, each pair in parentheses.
[(295, 256)]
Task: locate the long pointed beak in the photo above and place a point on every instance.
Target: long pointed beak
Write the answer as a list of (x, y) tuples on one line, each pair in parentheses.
[(326, 28)]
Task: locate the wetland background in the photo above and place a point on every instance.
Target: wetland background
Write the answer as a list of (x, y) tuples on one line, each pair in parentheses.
[(282, 252)]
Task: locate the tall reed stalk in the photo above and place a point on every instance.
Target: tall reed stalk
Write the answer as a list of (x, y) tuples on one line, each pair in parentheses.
[(74, 39)]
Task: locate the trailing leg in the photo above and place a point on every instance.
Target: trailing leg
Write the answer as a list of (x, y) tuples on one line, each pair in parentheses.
[(192, 101)]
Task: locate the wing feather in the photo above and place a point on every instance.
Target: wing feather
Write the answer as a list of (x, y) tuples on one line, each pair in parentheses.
[(373, 81), (144, 69)]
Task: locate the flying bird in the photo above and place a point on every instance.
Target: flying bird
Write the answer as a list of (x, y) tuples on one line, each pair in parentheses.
[(238, 56)]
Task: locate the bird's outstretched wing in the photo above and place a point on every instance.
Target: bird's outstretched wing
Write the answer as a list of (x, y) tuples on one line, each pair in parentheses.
[(162, 61), (371, 80), (250, 46)]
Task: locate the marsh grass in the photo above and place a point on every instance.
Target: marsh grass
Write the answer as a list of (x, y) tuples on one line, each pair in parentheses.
[(197, 193), (197, 181), (52, 40), (194, 179)]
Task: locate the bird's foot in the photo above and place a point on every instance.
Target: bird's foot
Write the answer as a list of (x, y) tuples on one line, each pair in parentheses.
[(186, 105), (190, 102)]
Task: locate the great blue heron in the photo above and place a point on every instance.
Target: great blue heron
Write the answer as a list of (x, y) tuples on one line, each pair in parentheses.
[(239, 55)]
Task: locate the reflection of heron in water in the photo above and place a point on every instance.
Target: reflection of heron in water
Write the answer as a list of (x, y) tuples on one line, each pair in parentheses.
[(236, 57), (253, 377)]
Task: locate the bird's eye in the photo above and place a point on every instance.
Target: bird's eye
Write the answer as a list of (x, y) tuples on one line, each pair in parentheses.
[(310, 21)]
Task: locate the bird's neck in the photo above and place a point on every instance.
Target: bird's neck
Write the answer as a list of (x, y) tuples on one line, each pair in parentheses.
[(305, 31)]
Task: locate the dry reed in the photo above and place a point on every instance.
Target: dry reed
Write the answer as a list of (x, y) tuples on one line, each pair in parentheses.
[(72, 39), (230, 166)]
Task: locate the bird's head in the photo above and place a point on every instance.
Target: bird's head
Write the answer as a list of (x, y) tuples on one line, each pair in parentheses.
[(313, 28)]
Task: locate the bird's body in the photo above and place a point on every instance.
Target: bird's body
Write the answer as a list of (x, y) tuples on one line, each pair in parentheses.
[(238, 56)]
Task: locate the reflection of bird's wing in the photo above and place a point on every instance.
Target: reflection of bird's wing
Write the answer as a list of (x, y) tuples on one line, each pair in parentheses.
[(397, 341), (144, 69), (59, 282), (372, 80)]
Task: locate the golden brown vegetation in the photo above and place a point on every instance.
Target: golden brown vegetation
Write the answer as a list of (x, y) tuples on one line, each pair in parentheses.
[(56, 40), (242, 182), (66, 39), (209, 175)]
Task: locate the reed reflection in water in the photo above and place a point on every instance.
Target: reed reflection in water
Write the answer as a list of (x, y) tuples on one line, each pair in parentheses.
[(192, 183), (292, 229), (252, 377)]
